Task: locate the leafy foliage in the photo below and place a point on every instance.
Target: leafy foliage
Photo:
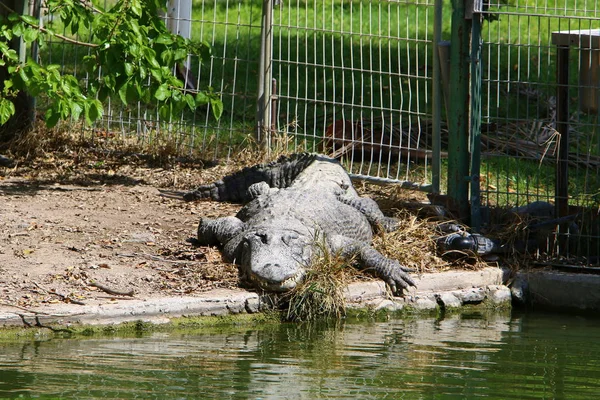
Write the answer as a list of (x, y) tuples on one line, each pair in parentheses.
[(131, 55)]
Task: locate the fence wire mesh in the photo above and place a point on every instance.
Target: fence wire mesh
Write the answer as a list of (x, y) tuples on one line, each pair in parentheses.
[(540, 137), (354, 80)]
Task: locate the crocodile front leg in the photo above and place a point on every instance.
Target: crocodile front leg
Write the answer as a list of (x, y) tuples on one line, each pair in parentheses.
[(226, 231), (394, 274), (212, 232)]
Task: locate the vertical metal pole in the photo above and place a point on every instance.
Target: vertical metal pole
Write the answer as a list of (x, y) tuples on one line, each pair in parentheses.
[(274, 105), (265, 76), (476, 123), (436, 99), (562, 126), (444, 55), (179, 21), (459, 122), (35, 7)]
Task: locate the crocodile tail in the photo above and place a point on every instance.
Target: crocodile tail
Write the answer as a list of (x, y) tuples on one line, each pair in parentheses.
[(234, 187)]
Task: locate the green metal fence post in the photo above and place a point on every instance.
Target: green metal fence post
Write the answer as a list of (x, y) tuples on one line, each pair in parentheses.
[(459, 122), (437, 100), (476, 123)]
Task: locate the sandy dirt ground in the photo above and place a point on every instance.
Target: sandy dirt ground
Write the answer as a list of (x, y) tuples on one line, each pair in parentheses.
[(72, 228), (66, 232)]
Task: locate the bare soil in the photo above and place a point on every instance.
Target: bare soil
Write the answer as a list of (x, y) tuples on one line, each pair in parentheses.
[(67, 228), (72, 223)]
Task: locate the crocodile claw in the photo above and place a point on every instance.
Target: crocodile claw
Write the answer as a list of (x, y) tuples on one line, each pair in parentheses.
[(398, 279)]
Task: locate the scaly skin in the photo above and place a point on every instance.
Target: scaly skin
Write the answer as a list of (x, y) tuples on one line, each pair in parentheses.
[(294, 205)]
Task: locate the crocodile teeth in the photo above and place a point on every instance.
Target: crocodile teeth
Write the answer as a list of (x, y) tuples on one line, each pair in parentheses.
[(282, 286)]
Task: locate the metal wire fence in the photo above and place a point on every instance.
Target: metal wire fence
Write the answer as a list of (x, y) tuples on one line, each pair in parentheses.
[(357, 79), (539, 132), (354, 79)]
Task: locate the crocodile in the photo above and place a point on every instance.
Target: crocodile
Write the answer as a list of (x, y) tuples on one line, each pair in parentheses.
[(295, 208)]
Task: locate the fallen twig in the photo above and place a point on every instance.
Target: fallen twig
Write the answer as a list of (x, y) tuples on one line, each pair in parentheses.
[(157, 258), (112, 291), (62, 297)]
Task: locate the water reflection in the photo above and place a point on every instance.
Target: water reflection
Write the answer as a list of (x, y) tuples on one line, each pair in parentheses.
[(459, 357)]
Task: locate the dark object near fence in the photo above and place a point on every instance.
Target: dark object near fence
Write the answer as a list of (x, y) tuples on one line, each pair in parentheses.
[(471, 242), (373, 140), (6, 162)]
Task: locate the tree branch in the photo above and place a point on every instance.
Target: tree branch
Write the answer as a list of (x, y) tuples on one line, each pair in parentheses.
[(47, 32)]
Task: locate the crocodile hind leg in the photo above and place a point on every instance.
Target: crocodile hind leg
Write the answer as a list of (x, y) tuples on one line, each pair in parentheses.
[(369, 208), (394, 274)]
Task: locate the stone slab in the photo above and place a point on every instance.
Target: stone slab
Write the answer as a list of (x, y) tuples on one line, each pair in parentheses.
[(221, 302)]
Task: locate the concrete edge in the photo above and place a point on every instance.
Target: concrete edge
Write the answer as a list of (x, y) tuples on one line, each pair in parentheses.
[(444, 290), (451, 289), (557, 290)]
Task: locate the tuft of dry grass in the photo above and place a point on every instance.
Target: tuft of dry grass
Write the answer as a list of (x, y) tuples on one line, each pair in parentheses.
[(321, 294), (412, 244)]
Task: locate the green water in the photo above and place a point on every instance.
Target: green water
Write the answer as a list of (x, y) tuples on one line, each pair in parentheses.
[(521, 357)]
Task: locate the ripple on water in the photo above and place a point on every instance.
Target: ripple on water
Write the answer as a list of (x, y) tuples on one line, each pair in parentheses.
[(531, 356)]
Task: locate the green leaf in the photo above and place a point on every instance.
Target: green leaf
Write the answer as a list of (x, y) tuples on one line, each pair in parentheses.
[(18, 29), (90, 64), (165, 112), (7, 110), (129, 69), (96, 110), (217, 107), (12, 55), (143, 72), (167, 57), (189, 99), (76, 110), (23, 75), (110, 81), (204, 51), (180, 54), (30, 20), (30, 35), (162, 93), (201, 99), (164, 38), (52, 117), (150, 56), (123, 93), (74, 27), (136, 7), (8, 84), (103, 93)]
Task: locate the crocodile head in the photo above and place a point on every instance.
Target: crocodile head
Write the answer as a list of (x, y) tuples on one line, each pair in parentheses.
[(276, 259)]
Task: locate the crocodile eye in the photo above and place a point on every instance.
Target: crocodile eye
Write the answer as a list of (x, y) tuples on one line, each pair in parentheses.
[(289, 237)]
